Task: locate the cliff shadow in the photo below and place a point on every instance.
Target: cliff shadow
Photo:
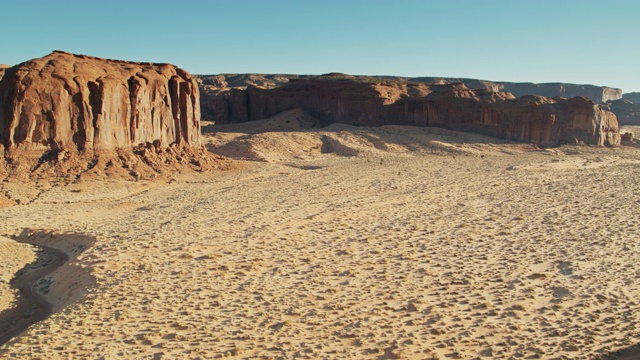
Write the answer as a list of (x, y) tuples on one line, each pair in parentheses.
[(290, 120), (629, 353), (49, 276), (26, 310)]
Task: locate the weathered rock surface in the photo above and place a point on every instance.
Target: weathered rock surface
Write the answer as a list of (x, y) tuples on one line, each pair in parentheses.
[(356, 101), (67, 101)]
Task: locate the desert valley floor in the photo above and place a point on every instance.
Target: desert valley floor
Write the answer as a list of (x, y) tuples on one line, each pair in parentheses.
[(341, 243)]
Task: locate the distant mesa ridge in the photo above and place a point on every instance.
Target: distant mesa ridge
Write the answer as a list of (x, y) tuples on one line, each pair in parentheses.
[(375, 101), (633, 97), (598, 94), (627, 109), (65, 100)]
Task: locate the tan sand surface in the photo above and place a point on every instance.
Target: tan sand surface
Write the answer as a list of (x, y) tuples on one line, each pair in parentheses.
[(346, 243)]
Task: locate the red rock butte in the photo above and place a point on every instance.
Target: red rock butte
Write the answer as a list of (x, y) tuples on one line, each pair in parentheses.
[(65, 101)]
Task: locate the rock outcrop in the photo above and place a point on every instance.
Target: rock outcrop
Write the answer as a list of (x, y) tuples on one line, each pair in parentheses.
[(67, 101), (628, 112), (633, 97), (598, 94), (356, 101), (212, 85)]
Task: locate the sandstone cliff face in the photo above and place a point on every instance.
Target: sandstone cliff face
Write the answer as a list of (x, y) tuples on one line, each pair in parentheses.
[(586, 122), (73, 101), (544, 121), (213, 85)]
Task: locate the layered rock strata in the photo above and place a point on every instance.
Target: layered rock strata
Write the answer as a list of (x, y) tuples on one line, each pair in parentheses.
[(344, 99), (64, 101), (212, 84)]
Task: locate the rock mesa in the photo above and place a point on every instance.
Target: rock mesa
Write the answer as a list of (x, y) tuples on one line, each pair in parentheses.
[(74, 101), (347, 99), (211, 85)]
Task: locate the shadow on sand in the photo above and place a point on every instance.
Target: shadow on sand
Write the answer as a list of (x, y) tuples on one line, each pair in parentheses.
[(33, 282), (630, 353)]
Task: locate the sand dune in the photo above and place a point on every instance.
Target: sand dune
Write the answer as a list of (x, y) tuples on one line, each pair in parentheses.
[(346, 243)]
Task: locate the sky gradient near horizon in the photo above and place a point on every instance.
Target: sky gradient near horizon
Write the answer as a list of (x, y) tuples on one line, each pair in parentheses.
[(572, 41)]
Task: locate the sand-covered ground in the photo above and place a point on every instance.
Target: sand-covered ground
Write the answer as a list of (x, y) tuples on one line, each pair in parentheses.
[(344, 243)]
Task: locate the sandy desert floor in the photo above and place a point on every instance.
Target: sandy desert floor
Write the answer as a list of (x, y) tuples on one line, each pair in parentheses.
[(343, 243)]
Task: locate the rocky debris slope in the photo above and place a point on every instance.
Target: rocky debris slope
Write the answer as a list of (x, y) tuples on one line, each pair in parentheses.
[(65, 101), (25, 176), (340, 98)]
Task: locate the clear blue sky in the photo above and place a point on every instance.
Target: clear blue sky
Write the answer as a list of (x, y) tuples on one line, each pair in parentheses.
[(576, 41)]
